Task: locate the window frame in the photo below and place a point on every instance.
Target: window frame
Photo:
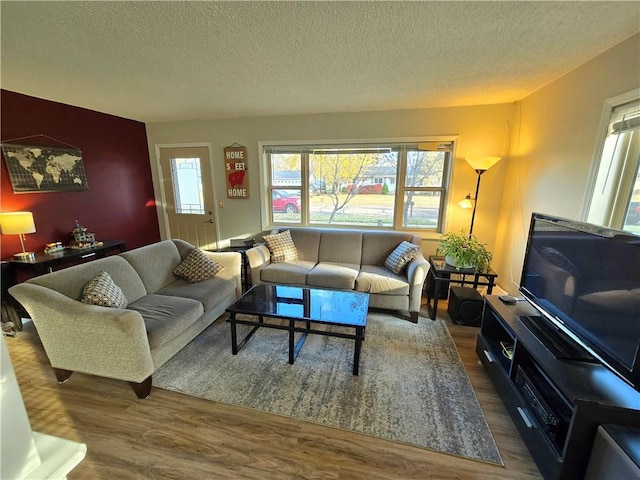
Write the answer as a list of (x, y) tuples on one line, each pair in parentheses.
[(620, 198), (266, 186)]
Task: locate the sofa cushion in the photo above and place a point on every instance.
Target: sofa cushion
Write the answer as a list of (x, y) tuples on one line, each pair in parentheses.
[(155, 263), (197, 267), (288, 272), (307, 241), (401, 256), (101, 290), (210, 292), (333, 275), (166, 317), (376, 245), (340, 247), (281, 247), (376, 279), (71, 281)]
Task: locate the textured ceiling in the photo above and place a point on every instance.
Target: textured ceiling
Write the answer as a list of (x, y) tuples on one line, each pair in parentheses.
[(156, 61)]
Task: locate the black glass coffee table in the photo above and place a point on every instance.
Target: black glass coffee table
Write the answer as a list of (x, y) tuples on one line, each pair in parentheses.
[(302, 307)]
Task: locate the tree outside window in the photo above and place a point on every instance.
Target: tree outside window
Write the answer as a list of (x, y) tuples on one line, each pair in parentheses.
[(383, 185)]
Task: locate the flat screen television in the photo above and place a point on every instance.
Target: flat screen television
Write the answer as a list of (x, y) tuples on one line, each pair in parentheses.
[(585, 282)]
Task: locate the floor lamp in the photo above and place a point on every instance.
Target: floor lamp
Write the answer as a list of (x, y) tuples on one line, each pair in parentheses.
[(480, 164)]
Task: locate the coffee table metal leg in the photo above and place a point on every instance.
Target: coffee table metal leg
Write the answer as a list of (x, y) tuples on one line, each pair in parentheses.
[(358, 348), (294, 348), (234, 336), (291, 342)]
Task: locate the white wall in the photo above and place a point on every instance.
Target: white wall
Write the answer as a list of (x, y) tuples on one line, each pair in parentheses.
[(481, 130), (553, 147)]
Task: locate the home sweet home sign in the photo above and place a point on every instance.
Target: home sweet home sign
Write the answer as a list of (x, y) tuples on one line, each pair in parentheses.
[(235, 159)]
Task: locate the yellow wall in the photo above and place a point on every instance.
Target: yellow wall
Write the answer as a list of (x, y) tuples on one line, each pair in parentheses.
[(553, 145), (481, 130)]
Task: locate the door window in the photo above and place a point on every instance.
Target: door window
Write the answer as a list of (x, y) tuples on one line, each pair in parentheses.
[(186, 178)]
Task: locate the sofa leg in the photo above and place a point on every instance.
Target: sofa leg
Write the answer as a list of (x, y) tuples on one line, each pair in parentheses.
[(414, 317), (142, 389), (62, 375)]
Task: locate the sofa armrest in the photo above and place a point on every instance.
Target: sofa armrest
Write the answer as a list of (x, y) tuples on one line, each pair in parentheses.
[(232, 263), (258, 258), (416, 274), (103, 341)]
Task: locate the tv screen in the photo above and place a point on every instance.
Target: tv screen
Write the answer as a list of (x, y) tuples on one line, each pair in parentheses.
[(585, 279)]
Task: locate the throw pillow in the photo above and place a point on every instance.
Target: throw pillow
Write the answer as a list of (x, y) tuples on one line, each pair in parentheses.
[(102, 290), (401, 256), (281, 247), (197, 266)]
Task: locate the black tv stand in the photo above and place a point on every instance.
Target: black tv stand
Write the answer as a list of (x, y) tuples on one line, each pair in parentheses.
[(556, 342), (556, 404)]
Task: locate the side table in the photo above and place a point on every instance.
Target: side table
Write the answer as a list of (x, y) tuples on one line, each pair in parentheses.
[(246, 275), (440, 274)]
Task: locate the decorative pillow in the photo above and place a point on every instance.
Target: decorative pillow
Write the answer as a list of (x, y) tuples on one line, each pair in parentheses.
[(102, 290), (197, 267), (281, 247), (401, 256)]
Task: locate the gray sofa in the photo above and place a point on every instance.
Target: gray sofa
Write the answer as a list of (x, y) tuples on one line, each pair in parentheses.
[(348, 260), (163, 314)]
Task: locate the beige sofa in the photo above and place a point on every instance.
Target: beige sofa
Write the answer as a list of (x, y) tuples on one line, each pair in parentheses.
[(163, 314), (348, 260)]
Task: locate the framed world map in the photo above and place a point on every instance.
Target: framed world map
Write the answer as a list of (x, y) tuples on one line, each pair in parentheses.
[(44, 169)]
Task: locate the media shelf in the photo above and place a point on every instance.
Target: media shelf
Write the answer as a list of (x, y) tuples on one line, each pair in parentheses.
[(556, 404)]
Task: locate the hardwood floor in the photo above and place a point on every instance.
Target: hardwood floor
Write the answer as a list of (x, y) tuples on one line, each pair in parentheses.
[(174, 436)]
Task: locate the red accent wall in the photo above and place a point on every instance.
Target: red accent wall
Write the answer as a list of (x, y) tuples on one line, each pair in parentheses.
[(119, 204)]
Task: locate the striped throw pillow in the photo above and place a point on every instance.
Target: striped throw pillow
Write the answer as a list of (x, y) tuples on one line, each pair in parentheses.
[(401, 256)]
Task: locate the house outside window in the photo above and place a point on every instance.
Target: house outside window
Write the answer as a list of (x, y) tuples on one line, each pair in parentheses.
[(395, 185), (615, 195)]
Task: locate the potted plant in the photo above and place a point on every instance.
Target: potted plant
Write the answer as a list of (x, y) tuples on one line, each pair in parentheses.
[(464, 251)]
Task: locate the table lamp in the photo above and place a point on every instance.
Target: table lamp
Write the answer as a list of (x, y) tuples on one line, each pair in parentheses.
[(18, 223)]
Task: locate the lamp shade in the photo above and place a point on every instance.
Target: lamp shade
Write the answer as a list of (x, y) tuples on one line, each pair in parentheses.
[(482, 162), (467, 202), (15, 223)]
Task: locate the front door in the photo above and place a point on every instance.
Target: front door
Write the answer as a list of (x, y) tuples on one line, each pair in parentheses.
[(188, 195)]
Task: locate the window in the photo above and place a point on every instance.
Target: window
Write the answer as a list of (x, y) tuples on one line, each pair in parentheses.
[(390, 185), (187, 185), (615, 199)]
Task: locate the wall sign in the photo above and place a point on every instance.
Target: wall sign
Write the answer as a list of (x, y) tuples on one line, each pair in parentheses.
[(235, 159)]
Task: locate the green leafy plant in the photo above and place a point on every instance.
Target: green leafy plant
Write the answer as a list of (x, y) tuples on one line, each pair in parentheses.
[(464, 251)]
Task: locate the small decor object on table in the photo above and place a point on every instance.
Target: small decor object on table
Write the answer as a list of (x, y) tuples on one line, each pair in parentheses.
[(464, 251), (53, 248), (83, 238)]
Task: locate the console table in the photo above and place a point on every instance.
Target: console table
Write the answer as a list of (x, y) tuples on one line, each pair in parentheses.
[(440, 274), (45, 263)]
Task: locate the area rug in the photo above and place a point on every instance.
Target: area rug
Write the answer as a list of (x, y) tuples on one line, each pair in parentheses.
[(412, 386)]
